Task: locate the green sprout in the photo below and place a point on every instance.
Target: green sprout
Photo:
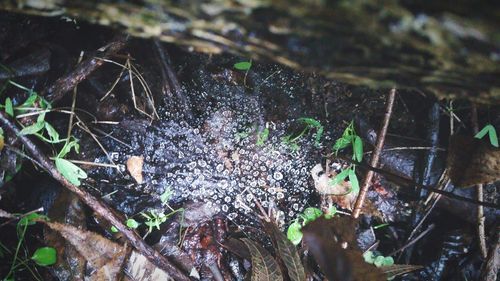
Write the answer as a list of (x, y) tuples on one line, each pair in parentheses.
[(310, 124), (262, 137), (377, 259), (349, 138), (243, 65), (492, 134)]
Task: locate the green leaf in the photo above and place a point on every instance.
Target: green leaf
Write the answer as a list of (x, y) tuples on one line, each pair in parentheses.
[(70, 171), (243, 65), (311, 214), (340, 177), (45, 256), (294, 233), (310, 121), (165, 196), (341, 143), (492, 134), (354, 181), (9, 109), (31, 219), (131, 223), (32, 129), (262, 137), (114, 229), (358, 149), (67, 148), (53, 134)]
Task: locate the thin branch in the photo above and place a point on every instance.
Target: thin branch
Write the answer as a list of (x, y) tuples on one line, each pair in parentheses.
[(94, 203), (66, 83), (480, 197), (376, 153)]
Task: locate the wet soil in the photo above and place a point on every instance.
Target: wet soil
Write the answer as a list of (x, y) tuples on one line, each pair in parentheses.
[(217, 140)]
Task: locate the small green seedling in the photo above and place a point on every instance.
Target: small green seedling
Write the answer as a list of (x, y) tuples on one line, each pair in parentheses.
[(377, 259), (492, 134), (165, 196), (349, 137), (262, 137), (131, 223), (45, 256), (114, 229), (243, 65), (310, 124), (154, 219)]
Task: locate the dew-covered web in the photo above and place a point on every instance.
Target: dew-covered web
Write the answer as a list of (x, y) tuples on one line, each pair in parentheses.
[(217, 158)]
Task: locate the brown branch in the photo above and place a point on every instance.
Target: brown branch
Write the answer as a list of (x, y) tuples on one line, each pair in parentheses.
[(489, 272), (480, 197), (66, 83), (376, 153), (95, 204)]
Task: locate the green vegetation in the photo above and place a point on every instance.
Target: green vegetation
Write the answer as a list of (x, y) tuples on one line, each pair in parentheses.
[(349, 138), (262, 137), (294, 231), (35, 105), (44, 256), (243, 65), (377, 259), (492, 134), (310, 124)]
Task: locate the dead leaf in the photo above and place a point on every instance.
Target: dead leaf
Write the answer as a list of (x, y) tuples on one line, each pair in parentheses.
[(472, 161), (264, 266), (134, 167), (334, 248), (107, 257), (287, 252), (399, 269), (339, 194)]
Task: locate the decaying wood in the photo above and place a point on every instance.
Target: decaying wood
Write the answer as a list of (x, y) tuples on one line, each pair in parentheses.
[(94, 203), (357, 42)]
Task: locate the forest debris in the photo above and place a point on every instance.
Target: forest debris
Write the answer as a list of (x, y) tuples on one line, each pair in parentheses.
[(472, 161), (107, 257), (333, 246), (287, 252), (492, 263), (66, 83), (134, 167), (95, 203), (338, 193), (264, 266), (376, 153)]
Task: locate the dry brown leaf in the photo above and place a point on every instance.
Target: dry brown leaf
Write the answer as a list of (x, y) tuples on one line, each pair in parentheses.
[(134, 167), (96, 249), (339, 194), (264, 266), (287, 252), (107, 257), (332, 244)]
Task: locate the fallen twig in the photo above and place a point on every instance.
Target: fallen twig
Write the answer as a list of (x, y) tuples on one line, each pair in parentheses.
[(66, 83), (94, 203), (480, 197), (376, 154), (490, 268)]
